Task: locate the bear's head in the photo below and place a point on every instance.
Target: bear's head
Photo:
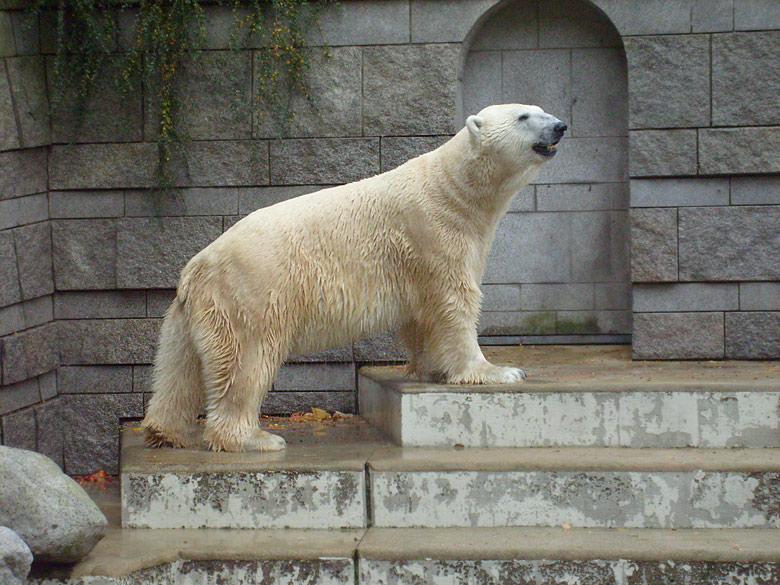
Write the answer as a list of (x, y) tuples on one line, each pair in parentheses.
[(516, 135)]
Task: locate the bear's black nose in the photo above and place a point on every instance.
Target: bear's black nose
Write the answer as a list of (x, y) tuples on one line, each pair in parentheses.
[(560, 128)]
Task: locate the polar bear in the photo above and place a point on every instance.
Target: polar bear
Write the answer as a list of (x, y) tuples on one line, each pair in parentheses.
[(404, 249)]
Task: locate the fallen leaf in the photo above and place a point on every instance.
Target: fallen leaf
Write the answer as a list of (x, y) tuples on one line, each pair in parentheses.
[(320, 414), (459, 446), (340, 415), (566, 526)]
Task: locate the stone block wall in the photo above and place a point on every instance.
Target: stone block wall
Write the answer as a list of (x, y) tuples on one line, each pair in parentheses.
[(705, 207), (30, 410), (89, 259)]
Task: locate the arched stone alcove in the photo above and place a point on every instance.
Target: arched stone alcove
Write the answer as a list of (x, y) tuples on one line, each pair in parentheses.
[(560, 263)]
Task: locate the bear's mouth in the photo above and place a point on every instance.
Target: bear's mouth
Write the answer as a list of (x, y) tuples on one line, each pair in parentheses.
[(546, 148)]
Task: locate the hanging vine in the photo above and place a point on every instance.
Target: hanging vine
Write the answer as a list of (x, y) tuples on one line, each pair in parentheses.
[(163, 36)]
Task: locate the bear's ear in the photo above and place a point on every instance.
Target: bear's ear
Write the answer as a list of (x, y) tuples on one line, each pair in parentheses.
[(474, 124)]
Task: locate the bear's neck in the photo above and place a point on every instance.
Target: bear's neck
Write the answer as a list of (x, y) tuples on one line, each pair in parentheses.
[(471, 182)]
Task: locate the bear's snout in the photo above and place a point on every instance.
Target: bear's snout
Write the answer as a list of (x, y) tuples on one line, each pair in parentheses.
[(559, 129)]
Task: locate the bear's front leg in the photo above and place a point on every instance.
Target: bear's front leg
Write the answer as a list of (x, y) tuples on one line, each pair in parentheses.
[(453, 353)]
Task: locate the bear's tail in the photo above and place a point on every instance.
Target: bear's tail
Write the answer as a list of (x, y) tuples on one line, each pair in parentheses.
[(172, 416)]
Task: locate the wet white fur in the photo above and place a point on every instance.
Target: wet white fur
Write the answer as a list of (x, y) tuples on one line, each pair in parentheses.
[(406, 249)]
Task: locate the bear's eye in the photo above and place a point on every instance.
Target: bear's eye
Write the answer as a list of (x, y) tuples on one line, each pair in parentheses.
[(523, 117)]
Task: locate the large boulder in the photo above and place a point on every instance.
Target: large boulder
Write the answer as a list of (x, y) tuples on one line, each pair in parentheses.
[(46, 508), (15, 558)]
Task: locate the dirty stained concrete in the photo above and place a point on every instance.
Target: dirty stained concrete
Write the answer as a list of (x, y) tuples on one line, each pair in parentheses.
[(583, 396)]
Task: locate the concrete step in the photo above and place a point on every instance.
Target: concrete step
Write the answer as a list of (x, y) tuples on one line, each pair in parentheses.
[(346, 476), (577, 487), (318, 482), (400, 556), (582, 397), (498, 556)]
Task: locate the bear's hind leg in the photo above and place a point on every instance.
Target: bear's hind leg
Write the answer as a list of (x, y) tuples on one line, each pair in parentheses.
[(238, 372)]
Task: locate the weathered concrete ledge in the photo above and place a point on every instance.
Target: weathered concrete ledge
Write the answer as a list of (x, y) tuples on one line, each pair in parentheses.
[(586, 396), (318, 482)]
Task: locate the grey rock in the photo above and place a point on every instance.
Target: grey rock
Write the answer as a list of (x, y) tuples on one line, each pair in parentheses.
[(334, 355), (755, 190), (24, 172), (313, 377), (588, 160), (599, 92), (86, 204), (653, 245), (51, 430), (579, 197), (332, 106), (28, 82), (730, 243), (7, 46), (95, 119), (548, 297), (95, 379), (445, 21), (84, 253), (593, 322), (501, 297), (30, 353), (662, 152), (142, 379), (649, 17), (381, 347), (158, 301), (26, 32), (221, 163), (712, 15), (756, 15), (759, 296), (517, 323), (187, 202), (525, 200), (253, 198), (410, 90), (740, 60), (102, 166), (49, 511), (9, 132), (323, 160), (286, 403), (710, 296), (19, 430), (34, 255), (48, 385), (100, 304), (543, 79), (151, 252), (482, 80), (679, 192), (379, 22), (23, 210), (38, 311), (95, 341), (19, 395), (612, 295), (10, 289), (725, 151), (218, 104), (396, 150), (753, 335), (564, 25), (11, 319), (93, 435), (669, 81), (15, 558), (665, 336)]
